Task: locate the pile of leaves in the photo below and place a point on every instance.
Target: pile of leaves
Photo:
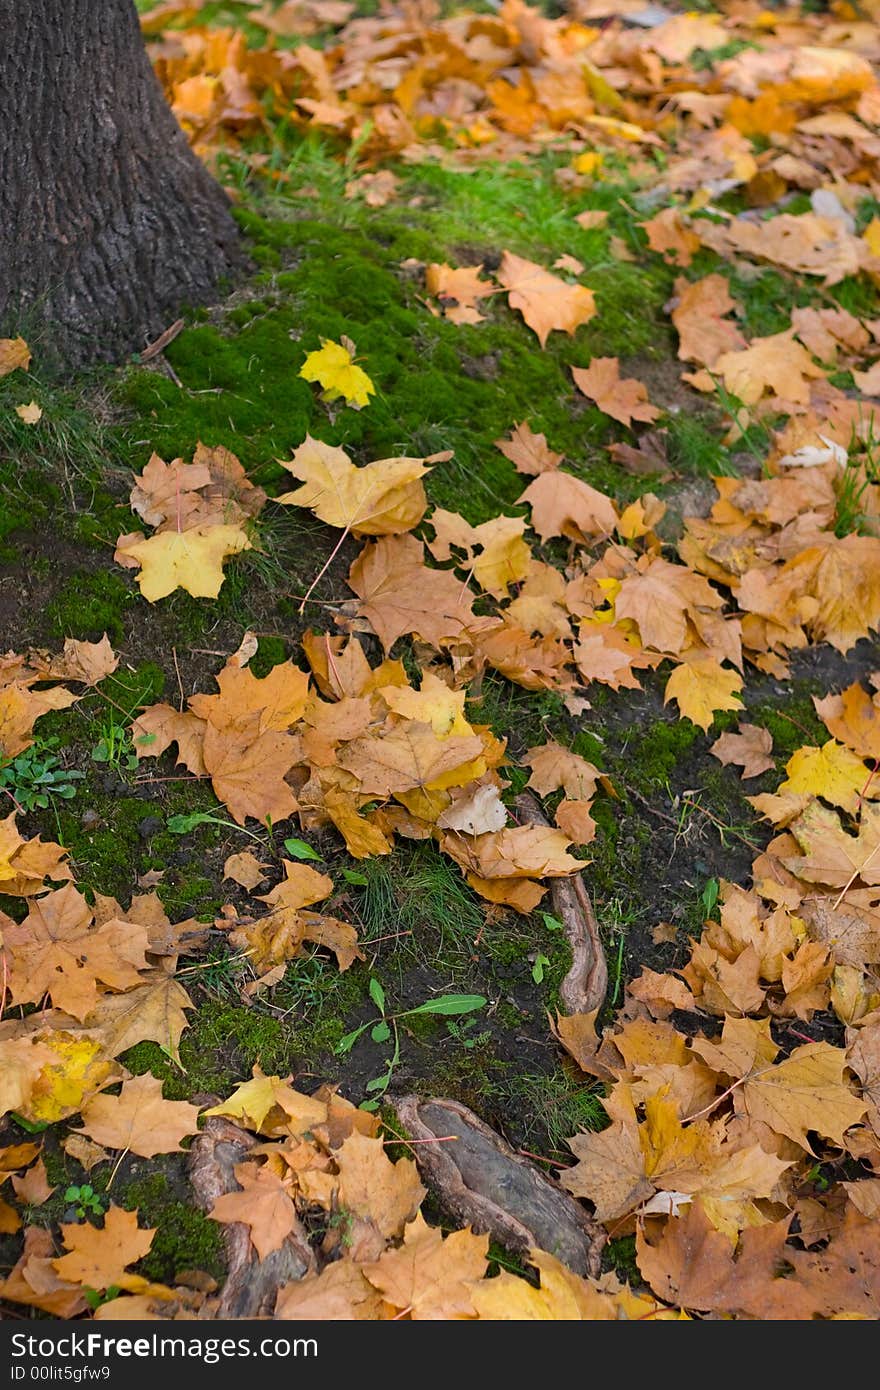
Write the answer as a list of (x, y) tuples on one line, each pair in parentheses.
[(742, 1090)]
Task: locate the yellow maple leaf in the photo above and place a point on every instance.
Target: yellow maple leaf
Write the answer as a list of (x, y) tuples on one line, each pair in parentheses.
[(14, 353), (702, 687), (832, 772), (385, 497), (81, 1068), (191, 560), (333, 367)]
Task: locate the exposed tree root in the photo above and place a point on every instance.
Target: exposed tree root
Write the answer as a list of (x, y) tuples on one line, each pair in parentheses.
[(251, 1284), (584, 987), (484, 1183)]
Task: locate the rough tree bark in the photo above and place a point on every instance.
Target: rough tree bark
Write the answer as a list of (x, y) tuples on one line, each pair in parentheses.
[(108, 221)]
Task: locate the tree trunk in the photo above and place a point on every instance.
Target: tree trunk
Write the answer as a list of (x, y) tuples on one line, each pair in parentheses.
[(109, 224)]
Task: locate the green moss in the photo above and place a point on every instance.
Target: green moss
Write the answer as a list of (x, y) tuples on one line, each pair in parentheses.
[(619, 1255), (218, 1050), (185, 1238), (657, 750), (88, 605), (271, 651), (793, 725)]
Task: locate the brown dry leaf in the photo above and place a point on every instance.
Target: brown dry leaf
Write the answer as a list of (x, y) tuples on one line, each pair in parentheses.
[(826, 331), (84, 1152), (33, 1281), (29, 412), (692, 1265), (804, 242), (460, 290), (563, 505), (671, 237), (610, 1171), (495, 553), (804, 1092), (853, 718), (624, 399), (154, 1011), (26, 864), (339, 1293), (245, 868), (843, 1278), (156, 728), (410, 756), (428, 1277), (519, 851), (400, 595), (57, 950), (777, 364), (831, 856), (554, 766), (376, 189), (659, 598), (545, 302), (248, 769), (591, 218), (14, 354), (34, 1188), (97, 1258), (139, 1119), (749, 748), (264, 1205), (278, 937), (705, 334), (529, 452), (279, 698), (379, 499), (374, 1189), (701, 686)]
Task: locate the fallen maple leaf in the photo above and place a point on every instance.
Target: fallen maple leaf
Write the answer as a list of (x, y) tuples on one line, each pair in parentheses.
[(400, 595), (545, 302), (191, 560), (333, 367), (563, 505), (701, 687), (97, 1259), (749, 748), (263, 1204), (461, 290), (429, 1277), (623, 399), (381, 498), (139, 1120), (528, 451), (832, 772), (705, 334), (14, 354)]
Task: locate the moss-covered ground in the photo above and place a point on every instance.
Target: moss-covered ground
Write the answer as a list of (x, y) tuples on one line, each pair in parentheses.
[(325, 265)]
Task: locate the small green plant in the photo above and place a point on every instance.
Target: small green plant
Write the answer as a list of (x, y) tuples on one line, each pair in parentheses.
[(709, 897), (301, 849), (385, 1028), (35, 777), (183, 824), (538, 966), (96, 1297), (85, 1201), (464, 1034), (114, 748)]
